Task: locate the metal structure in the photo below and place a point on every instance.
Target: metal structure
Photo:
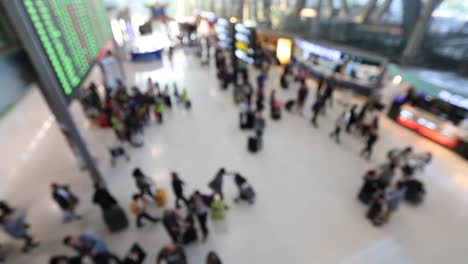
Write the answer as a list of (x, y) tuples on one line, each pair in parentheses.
[(50, 86)]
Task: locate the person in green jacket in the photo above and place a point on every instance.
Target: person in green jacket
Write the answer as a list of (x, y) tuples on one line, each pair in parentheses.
[(159, 109), (186, 99)]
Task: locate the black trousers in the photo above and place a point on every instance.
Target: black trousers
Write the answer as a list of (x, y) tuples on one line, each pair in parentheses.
[(146, 191), (106, 258), (145, 215), (314, 118), (202, 219), (336, 133), (367, 151), (180, 196)]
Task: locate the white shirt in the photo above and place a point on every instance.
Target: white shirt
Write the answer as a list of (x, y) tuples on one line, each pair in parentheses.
[(112, 71)]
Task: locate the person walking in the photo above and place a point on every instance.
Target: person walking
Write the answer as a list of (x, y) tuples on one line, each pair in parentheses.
[(200, 209), (17, 228), (178, 188), (172, 254), (89, 244), (65, 200), (316, 107), (387, 173), (371, 140), (328, 93), (138, 208), (339, 124), (352, 118), (302, 96), (216, 185), (143, 183), (171, 221)]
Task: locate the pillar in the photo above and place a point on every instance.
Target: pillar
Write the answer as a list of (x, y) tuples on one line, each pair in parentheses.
[(417, 35)]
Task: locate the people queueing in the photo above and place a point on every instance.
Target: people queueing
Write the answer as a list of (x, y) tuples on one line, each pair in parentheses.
[(171, 221), (103, 198), (67, 200), (316, 107), (178, 188), (376, 209), (320, 86), (339, 125), (351, 119), (138, 208), (372, 138), (302, 96), (89, 244), (172, 254), (199, 206), (17, 228), (143, 183)]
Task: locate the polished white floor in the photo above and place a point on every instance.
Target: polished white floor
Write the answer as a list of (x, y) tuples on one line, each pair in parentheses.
[(306, 210)]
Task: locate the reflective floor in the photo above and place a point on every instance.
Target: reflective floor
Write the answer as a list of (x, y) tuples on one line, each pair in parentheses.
[(306, 210)]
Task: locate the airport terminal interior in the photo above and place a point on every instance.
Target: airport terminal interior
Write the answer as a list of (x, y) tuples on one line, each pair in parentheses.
[(95, 89)]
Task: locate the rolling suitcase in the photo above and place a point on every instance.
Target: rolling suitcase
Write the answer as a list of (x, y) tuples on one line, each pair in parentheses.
[(250, 120), (115, 219), (253, 144)]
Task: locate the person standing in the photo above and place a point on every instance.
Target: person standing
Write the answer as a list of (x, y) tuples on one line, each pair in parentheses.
[(89, 244), (171, 221), (319, 87), (112, 73), (198, 206), (371, 140), (340, 123), (138, 207), (387, 173), (178, 187), (302, 96), (393, 200), (66, 200), (172, 254), (143, 183), (259, 126)]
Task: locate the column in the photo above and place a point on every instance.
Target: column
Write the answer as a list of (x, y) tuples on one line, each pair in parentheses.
[(418, 32), (300, 4), (267, 12)]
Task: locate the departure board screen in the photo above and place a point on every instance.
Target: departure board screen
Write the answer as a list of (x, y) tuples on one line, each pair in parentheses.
[(73, 33)]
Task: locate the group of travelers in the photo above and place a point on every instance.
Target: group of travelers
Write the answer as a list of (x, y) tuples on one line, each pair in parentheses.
[(382, 193), (127, 113)]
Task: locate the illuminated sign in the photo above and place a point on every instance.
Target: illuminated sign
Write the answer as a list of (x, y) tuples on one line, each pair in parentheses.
[(245, 43), (308, 47), (73, 34), (453, 99)]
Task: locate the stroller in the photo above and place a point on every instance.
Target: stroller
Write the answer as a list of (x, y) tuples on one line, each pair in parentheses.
[(246, 191)]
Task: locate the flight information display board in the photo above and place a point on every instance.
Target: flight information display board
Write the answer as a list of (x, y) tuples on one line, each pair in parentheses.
[(73, 33), (244, 43)]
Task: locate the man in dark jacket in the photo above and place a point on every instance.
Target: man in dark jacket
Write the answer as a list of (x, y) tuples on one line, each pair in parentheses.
[(171, 221), (178, 187), (66, 200)]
